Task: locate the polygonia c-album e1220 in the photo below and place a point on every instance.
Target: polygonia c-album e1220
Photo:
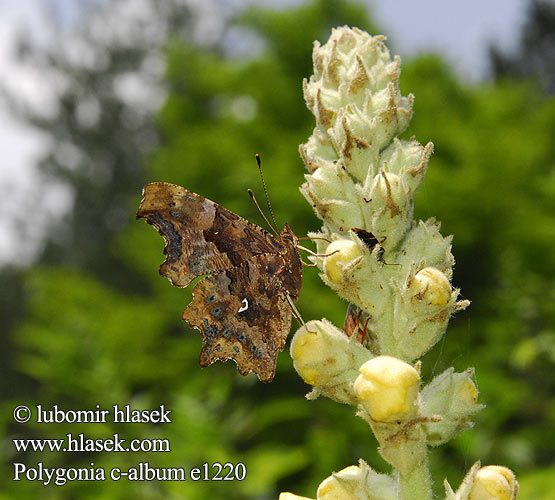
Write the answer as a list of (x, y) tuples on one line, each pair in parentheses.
[(242, 306)]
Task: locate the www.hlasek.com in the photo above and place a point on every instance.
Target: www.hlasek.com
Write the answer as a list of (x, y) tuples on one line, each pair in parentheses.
[(142, 471)]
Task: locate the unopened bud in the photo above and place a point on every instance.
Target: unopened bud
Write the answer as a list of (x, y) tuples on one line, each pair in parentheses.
[(452, 396), (432, 286), (341, 486), (339, 255), (328, 360), (387, 388), (292, 496), (355, 483), (494, 482)]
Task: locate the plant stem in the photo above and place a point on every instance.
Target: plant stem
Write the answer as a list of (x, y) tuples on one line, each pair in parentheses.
[(416, 484)]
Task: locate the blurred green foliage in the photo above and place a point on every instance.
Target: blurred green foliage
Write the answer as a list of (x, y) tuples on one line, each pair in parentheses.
[(88, 339), (534, 56)]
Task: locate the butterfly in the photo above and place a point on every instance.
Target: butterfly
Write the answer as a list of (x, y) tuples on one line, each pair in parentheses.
[(244, 305)]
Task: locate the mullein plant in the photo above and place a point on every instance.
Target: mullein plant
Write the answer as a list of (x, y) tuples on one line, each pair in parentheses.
[(395, 274)]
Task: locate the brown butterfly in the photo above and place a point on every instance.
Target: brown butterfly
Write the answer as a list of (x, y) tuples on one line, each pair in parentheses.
[(244, 306)]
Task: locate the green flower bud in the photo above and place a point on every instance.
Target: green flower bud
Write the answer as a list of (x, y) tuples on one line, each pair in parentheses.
[(424, 241), (423, 306), (317, 149), (409, 160), (391, 205), (333, 195), (453, 397)]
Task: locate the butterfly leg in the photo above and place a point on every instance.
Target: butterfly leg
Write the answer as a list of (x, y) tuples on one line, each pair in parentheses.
[(316, 254), (306, 264)]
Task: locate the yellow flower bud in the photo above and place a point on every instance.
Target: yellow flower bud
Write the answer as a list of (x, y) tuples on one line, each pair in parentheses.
[(308, 350), (494, 482), (467, 394), (341, 486), (387, 388), (292, 496), (432, 286), (339, 254), (356, 482), (327, 359)]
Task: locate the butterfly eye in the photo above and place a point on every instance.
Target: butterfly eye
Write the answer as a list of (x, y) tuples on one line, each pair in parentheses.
[(172, 204)]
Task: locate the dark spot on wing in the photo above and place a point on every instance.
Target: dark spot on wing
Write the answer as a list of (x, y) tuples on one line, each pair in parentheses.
[(256, 351), (227, 332), (174, 214), (216, 311), (210, 332)]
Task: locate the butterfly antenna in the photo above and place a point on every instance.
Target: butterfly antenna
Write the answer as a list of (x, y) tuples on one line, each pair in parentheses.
[(251, 194), (265, 190)]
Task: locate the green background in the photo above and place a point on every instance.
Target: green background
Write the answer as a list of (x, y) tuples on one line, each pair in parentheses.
[(92, 322)]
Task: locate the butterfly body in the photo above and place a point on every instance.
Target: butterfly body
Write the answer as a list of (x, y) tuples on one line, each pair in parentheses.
[(242, 307)]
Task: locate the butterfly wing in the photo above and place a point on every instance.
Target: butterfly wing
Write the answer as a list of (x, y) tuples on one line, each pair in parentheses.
[(201, 236), (243, 314), (242, 307)]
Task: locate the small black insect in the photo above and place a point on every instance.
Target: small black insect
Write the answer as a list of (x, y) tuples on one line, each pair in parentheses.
[(370, 241)]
